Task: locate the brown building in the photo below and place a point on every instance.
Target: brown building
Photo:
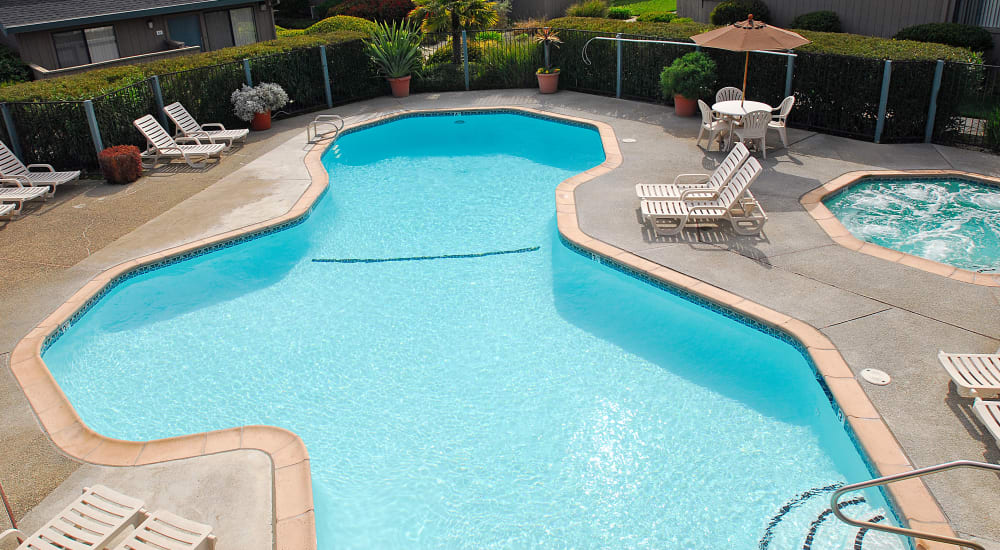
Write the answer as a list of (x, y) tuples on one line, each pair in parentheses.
[(57, 37)]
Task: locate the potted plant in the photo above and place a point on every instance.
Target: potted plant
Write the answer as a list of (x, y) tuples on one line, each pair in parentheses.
[(395, 49), (687, 79), (254, 104), (548, 77)]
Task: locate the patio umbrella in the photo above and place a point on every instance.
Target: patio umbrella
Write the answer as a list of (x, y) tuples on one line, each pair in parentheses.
[(746, 36)]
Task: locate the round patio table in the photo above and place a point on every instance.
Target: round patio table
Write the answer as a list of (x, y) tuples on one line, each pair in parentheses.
[(734, 109)]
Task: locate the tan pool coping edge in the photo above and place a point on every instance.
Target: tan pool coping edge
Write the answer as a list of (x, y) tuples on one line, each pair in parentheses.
[(813, 203), (294, 519)]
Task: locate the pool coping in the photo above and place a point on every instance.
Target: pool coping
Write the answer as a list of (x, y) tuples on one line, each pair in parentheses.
[(293, 512), (813, 203)]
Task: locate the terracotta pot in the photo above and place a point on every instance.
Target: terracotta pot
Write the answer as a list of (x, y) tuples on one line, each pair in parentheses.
[(684, 106), (548, 83), (261, 121), (400, 86)]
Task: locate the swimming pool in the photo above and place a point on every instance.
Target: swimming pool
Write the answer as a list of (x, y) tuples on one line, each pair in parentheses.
[(462, 378), (951, 220)]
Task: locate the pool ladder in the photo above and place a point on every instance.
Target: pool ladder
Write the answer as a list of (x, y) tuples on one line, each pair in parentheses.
[(334, 122), (962, 543)]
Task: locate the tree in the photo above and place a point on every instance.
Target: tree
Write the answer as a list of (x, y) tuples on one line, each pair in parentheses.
[(455, 15)]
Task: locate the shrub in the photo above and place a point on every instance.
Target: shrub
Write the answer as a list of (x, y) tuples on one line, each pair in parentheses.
[(12, 69), (342, 23), (443, 54), (619, 13), (953, 34), (993, 129), (120, 164), (732, 11), (376, 10), (692, 76), (588, 8), (822, 21), (656, 17), (283, 32), (683, 20), (495, 36)]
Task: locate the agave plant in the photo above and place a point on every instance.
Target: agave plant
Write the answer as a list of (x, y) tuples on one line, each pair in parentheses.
[(395, 48)]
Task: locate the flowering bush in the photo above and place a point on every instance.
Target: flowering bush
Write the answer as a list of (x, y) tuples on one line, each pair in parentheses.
[(375, 10), (261, 98), (120, 164)]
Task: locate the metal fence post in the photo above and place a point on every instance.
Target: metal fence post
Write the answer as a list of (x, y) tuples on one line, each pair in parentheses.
[(95, 131), (8, 121), (618, 81), (932, 108), (326, 77), (465, 58), (789, 71), (154, 83), (246, 72), (547, 55), (880, 123)]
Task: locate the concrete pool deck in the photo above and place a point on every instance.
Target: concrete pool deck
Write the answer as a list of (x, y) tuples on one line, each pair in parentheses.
[(879, 314)]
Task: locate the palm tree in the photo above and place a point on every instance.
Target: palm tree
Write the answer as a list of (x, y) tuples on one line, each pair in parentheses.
[(455, 15)]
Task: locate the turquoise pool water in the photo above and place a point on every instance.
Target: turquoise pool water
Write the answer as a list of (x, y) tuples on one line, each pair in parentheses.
[(953, 221), (527, 399)]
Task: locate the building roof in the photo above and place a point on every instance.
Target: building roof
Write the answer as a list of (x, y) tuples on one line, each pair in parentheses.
[(33, 15)]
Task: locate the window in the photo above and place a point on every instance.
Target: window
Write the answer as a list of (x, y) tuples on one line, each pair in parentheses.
[(244, 26), (84, 46), (231, 28)]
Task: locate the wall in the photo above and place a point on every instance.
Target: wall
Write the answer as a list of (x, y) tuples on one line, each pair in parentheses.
[(540, 9), (869, 17)]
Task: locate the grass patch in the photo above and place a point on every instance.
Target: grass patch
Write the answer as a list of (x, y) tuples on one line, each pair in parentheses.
[(639, 7)]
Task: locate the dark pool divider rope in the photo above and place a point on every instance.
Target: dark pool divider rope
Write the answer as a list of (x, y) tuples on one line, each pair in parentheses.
[(421, 258), (765, 541)]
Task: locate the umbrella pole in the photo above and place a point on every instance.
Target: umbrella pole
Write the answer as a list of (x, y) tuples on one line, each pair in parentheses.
[(745, 66)]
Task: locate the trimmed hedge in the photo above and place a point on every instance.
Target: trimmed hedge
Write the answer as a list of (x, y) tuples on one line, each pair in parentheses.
[(619, 13), (656, 17), (822, 21), (376, 10), (822, 42), (342, 23), (953, 34), (93, 83), (733, 11), (283, 32), (588, 8)]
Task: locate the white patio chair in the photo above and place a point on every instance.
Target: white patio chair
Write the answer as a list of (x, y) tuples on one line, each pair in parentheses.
[(974, 374), (728, 93), (988, 413), (12, 167), (697, 186), (165, 531), (89, 523), (159, 145), (14, 193), (753, 127), (711, 123), (7, 210), (779, 122), (187, 126)]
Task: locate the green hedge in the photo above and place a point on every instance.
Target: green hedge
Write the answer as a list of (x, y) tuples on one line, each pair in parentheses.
[(342, 23), (822, 42), (822, 21), (734, 11), (93, 83), (953, 34)]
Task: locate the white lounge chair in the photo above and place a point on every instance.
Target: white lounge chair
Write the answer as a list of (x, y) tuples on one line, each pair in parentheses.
[(728, 93), (7, 209), (188, 126), (988, 413), (161, 145), (712, 123), (734, 203), (166, 531), (780, 121), (12, 167), (753, 127), (975, 374), (697, 186), (17, 195), (89, 523)]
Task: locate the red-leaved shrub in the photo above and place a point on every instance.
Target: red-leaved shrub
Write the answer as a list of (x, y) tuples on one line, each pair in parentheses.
[(375, 10), (120, 164)]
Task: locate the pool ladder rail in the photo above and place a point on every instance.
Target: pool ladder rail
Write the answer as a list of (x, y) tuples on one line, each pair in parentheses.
[(961, 543), (335, 124)]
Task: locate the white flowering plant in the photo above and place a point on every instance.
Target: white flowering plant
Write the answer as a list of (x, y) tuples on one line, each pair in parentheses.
[(264, 97)]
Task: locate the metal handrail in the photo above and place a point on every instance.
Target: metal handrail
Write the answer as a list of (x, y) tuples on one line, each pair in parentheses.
[(834, 505), (336, 121)]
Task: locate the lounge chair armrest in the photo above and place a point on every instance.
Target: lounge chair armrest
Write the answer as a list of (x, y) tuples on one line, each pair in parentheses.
[(216, 125), (11, 179), (44, 166), (713, 194), (11, 535), (687, 179), (185, 139)]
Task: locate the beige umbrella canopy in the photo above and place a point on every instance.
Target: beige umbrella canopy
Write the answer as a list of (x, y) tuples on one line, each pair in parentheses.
[(747, 36)]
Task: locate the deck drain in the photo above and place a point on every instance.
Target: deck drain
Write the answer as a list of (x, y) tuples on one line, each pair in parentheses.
[(877, 377)]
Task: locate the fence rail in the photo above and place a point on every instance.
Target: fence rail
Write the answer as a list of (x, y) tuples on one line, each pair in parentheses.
[(868, 99)]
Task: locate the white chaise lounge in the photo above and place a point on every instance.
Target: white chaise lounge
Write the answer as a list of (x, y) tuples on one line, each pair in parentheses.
[(161, 146), (44, 175), (89, 523), (975, 374), (19, 194), (165, 531), (7, 209), (734, 203), (188, 126), (697, 186), (988, 413)]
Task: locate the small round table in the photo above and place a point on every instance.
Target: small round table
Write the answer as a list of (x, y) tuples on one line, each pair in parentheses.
[(734, 109)]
